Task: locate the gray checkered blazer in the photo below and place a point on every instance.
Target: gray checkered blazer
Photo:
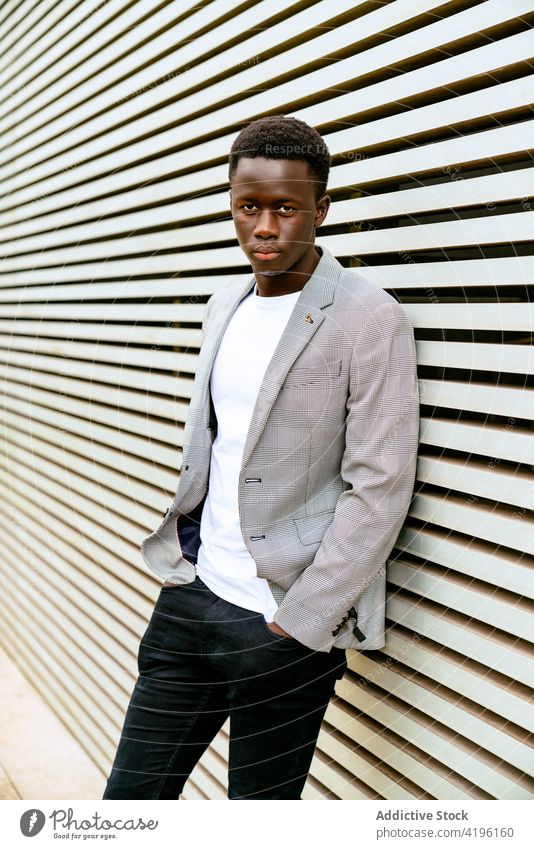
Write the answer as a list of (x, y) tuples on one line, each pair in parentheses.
[(328, 466)]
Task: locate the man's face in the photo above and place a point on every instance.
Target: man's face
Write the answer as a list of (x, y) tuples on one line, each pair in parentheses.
[(275, 212)]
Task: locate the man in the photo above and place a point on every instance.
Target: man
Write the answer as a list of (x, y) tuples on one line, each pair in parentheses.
[(297, 472)]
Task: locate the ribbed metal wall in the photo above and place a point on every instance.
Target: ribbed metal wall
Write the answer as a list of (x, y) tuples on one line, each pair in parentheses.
[(116, 119)]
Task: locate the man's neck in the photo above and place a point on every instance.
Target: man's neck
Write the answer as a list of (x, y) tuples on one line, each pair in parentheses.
[(287, 282)]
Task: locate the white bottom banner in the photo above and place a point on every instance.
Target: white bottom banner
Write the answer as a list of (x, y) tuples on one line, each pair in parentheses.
[(314, 825)]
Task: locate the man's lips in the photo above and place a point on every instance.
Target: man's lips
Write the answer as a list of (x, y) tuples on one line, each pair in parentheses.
[(265, 251)]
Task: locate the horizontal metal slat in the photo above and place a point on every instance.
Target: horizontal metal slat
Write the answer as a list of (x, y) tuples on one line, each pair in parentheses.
[(491, 733), (72, 509), (492, 691), (496, 523), (337, 779), (22, 383), (204, 781), (124, 334), (502, 272), (495, 229), (499, 271), (501, 400), (117, 290), (484, 231), (426, 83), (372, 772), (52, 425), (137, 379), (424, 772), (213, 761), (493, 188), (125, 584), (65, 571), (108, 312), (106, 464), (67, 639), (508, 442), (27, 24), (477, 478), (474, 558), (484, 356), (75, 94), (271, 97), (484, 145), (40, 35), (469, 638), (100, 352), (61, 230), (473, 316), (476, 765), (257, 77), (469, 597), (115, 510)]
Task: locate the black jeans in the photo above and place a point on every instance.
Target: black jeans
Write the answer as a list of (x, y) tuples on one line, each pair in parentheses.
[(202, 659)]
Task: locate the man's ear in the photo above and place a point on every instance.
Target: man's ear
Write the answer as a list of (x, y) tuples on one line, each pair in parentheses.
[(321, 209)]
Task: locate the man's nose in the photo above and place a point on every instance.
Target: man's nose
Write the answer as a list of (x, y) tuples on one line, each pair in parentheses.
[(266, 224)]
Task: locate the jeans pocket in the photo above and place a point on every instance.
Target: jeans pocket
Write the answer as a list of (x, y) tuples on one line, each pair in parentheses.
[(276, 638), (141, 647), (175, 585), (266, 628)]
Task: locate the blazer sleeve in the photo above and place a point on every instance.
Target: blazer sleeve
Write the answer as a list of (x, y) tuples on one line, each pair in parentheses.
[(378, 471)]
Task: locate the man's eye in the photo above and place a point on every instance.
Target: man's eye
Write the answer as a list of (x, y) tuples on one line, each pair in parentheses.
[(248, 207), (286, 208)]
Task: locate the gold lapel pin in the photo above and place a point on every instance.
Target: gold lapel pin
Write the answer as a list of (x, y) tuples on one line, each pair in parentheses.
[(308, 318)]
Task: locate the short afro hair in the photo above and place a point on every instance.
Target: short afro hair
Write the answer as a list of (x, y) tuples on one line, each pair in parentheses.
[(283, 137)]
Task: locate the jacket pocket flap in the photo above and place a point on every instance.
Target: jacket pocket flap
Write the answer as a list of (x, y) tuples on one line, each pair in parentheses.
[(314, 374), (313, 528)]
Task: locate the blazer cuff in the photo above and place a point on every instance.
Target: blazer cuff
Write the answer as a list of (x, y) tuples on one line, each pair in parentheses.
[(305, 625)]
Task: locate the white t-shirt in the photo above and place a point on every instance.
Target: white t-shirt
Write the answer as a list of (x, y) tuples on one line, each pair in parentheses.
[(224, 563)]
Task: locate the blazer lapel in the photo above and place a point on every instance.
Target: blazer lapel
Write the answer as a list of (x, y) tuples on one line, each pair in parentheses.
[(211, 344), (317, 293)]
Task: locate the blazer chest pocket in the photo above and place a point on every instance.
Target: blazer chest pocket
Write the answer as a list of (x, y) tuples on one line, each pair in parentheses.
[(311, 529), (314, 376)]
